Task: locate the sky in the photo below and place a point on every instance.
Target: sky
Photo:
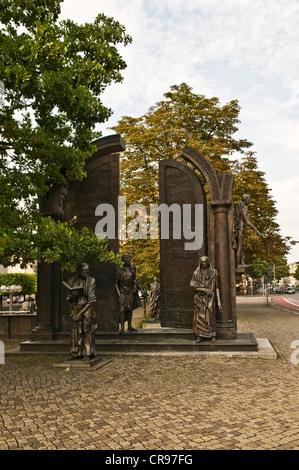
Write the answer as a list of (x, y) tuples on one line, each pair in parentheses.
[(231, 49)]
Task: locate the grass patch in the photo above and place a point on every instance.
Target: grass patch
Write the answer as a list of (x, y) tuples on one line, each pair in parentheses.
[(11, 343), (142, 321), (27, 361)]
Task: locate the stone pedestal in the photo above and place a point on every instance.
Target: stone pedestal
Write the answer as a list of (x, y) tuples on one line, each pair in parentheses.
[(152, 323), (93, 364)]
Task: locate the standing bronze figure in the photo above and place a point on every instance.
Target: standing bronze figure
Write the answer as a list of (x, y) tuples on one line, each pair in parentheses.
[(241, 220), (82, 314), (204, 283), (155, 299), (127, 287)]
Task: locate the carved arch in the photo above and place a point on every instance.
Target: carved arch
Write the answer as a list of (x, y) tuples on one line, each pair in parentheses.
[(220, 186)]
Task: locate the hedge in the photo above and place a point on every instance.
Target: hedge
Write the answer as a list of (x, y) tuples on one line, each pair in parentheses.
[(28, 282)]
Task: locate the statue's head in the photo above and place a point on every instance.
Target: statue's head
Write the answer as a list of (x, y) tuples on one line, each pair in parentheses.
[(83, 270), (204, 262), (246, 199), (126, 258)]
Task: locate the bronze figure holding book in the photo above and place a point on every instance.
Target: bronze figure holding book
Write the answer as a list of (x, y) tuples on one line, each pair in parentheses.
[(82, 315)]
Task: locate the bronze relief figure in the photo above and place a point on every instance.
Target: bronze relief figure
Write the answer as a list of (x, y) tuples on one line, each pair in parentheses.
[(241, 221), (82, 315), (127, 287), (155, 299), (204, 283)]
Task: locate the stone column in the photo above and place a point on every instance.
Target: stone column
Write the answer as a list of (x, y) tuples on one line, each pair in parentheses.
[(225, 326), (45, 313)]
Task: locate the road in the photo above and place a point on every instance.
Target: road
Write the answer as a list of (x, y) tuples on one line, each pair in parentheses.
[(289, 301)]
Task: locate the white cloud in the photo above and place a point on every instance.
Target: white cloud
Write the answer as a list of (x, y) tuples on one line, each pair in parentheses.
[(287, 205)]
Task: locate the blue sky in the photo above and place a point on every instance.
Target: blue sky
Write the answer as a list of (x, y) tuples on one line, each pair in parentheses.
[(232, 49)]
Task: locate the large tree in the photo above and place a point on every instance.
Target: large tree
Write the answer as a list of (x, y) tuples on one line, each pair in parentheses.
[(53, 73), (181, 118)]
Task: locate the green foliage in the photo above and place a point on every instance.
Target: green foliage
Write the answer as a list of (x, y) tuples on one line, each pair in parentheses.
[(185, 118), (281, 269), (57, 241), (296, 273), (261, 268), (182, 118), (258, 269), (63, 243), (28, 282), (54, 73), (145, 256)]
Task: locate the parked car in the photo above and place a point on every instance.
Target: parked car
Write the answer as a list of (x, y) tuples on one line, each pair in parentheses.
[(290, 290), (277, 290)]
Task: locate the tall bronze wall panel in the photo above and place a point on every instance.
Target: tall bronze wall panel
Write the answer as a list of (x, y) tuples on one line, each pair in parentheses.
[(179, 184), (101, 186)]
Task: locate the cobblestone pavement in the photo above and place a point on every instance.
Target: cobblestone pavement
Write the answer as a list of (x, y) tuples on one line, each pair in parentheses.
[(160, 402)]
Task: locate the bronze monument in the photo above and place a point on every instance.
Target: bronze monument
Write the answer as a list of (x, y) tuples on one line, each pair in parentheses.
[(82, 314), (204, 283), (193, 183), (241, 221)]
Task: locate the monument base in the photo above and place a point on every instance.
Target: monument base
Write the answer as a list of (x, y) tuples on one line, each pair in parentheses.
[(226, 330), (152, 323), (157, 341), (94, 364), (42, 334)]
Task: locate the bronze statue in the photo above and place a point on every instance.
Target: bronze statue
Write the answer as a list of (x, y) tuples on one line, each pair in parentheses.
[(241, 220), (127, 287), (155, 299), (204, 283), (82, 315), (137, 287)]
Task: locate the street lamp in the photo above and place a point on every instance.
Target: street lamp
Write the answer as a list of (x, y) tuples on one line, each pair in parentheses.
[(10, 290)]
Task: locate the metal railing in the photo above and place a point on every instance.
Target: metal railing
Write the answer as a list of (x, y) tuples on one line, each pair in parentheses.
[(16, 312)]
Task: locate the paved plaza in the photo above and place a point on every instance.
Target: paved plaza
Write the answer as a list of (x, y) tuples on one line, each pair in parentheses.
[(161, 402)]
